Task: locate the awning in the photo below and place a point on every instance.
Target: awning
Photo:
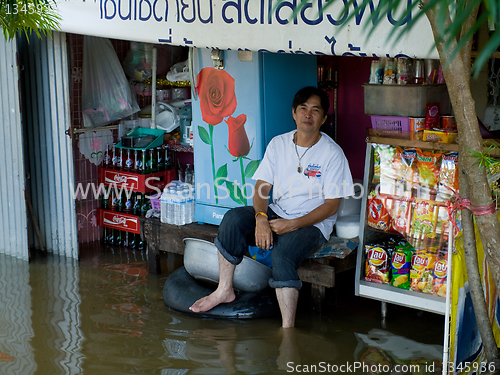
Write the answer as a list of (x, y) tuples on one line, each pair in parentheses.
[(245, 24)]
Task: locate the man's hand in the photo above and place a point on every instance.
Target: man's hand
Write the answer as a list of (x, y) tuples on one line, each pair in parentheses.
[(282, 226), (263, 233)]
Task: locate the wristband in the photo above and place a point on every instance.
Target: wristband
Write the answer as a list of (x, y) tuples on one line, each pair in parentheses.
[(261, 213)]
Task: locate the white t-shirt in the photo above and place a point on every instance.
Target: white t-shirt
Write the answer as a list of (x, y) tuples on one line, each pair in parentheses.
[(325, 175)]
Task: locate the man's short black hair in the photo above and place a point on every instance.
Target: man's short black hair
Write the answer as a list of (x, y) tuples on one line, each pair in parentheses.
[(305, 93)]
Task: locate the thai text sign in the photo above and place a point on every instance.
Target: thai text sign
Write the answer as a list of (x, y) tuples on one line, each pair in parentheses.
[(256, 25)]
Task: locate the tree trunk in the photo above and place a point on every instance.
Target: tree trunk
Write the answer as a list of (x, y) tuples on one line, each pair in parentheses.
[(474, 277), (457, 80)]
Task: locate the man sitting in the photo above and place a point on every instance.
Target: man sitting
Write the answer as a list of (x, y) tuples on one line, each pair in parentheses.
[(310, 175)]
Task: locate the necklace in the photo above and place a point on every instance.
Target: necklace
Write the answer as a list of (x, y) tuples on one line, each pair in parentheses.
[(299, 168)]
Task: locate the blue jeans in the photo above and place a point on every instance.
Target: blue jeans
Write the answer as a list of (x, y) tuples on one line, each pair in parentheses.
[(237, 232)]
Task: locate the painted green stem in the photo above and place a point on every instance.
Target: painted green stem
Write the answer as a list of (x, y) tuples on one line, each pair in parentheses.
[(211, 129), (243, 187)]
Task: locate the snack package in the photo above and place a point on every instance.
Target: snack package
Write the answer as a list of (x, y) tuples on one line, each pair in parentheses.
[(448, 177), (427, 278), (440, 274), (401, 215), (387, 168), (407, 174), (377, 264), (378, 216), (419, 265), (432, 116), (428, 165), (423, 218), (400, 267)]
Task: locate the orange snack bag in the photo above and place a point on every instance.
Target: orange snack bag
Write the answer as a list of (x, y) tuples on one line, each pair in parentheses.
[(401, 214), (448, 176), (378, 216), (428, 168), (440, 274)]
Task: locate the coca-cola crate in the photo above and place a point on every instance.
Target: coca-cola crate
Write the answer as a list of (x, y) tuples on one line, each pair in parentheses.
[(142, 183), (118, 220)]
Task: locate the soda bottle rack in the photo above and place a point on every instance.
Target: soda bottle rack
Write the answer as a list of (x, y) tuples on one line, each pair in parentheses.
[(142, 183)]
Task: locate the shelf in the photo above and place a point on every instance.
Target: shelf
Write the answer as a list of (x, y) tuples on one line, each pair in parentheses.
[(408, 298), (404, 140), (180, 148)]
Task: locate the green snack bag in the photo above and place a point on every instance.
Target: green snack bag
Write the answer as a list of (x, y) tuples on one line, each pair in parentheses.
[(400, 267)]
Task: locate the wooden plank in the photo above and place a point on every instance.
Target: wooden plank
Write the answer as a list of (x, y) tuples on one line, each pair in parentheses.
[(411, 143), (316, 273)]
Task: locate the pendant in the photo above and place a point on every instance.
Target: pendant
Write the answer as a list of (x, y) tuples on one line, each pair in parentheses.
[(299, 169)]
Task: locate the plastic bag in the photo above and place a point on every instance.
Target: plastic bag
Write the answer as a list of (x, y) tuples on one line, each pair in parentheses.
[(106, 93), (179, 72)]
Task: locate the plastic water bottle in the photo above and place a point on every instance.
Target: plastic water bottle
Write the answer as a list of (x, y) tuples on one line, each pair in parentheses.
[(189, 199), (183, 204), (170, 205), (185, 117), (164, 206), (189, 174)]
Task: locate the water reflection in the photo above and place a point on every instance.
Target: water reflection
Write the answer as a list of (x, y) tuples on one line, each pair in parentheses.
[(105, 315)]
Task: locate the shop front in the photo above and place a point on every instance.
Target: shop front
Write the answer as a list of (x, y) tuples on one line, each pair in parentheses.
[(269, 56)]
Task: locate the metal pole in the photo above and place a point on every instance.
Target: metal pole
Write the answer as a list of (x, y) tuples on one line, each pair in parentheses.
[(446, 343), (153, 90)]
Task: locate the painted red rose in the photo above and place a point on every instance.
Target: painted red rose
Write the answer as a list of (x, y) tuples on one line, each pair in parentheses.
[(238, 140), (216, 93)]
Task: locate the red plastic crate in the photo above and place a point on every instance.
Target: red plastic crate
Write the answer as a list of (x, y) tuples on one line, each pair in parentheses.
[(118, 220), (143, 183)]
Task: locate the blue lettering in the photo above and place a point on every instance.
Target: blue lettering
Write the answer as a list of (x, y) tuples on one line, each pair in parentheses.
[(359, 16), (406, 19), (331, 41), (312, 22), (262, 12), (158, 19), (210, 18), (287, 4), (141, 18), (129, 15), (247, 16), (237, 5), (184, 6), (344, 17), (178, 10), (109, 17), (269, 12)]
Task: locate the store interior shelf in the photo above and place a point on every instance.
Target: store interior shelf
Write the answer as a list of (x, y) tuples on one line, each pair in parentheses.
[(404, 139), (180, 148), (408, 298)]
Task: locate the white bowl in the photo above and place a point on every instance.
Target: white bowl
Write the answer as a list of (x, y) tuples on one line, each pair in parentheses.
[(201, 262)]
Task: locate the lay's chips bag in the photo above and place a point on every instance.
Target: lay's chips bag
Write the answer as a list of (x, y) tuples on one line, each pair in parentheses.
[(400, 267)]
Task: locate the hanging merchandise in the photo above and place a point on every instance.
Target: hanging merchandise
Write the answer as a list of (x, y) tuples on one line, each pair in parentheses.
[(93, 144), (106, 93), (139, 61), (179, 72)]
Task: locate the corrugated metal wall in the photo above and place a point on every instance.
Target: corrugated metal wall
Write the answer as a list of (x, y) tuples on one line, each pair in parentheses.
[(49, 153), (13, 221)]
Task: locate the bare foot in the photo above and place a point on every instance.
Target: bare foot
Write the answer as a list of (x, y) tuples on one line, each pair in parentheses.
[(212, 300)]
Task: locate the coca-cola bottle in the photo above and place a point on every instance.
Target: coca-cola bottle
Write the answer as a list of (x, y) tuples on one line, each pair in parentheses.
[(114, 156), (107, 158), (114, 200), (129, 203), (119, 158), (137, 162), (160, 159), (143, 166), (129, 161), (136, 210), (105, 236)]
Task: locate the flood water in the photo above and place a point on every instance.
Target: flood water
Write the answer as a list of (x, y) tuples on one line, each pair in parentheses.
[(105, 314)]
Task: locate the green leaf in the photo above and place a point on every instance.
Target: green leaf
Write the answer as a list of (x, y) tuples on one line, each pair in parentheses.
[(221, 175), (235, 192), (205, 137), (251, 168)]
